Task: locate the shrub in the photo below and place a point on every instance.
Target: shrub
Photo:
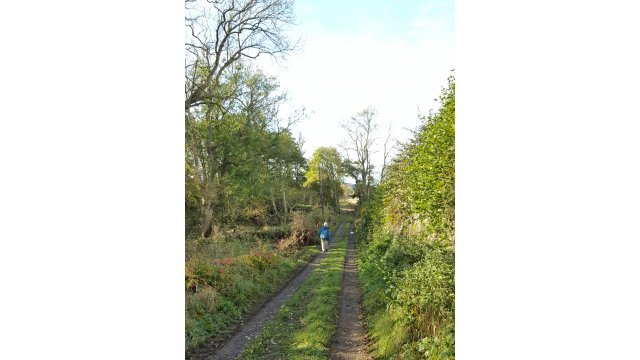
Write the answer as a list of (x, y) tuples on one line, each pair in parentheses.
[(304, 228), (406, 244), (226, 279), (207, 297)]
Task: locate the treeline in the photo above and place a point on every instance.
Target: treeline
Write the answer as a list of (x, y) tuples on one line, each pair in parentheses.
[(241, 161), (406, 244), (241, 164)]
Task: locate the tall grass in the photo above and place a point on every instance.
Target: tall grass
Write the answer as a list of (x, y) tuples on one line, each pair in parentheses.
[(304, 326), (238, 242), (406, 245), (408, 298), (227, 275)]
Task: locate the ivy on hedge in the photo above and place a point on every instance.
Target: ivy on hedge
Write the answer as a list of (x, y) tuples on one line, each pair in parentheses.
[(406, 244)]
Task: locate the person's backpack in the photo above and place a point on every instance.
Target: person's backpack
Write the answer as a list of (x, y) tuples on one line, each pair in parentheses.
[(324, 233)]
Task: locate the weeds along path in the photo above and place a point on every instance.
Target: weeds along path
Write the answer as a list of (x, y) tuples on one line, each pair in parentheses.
[(349, 341), (303, 327), (234, 346)]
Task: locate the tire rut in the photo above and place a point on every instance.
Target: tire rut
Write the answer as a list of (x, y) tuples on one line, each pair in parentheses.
[(235, 346), (350, 341)]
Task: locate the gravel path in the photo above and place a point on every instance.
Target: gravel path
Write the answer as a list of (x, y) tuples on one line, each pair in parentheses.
[(234, 347), (350, 342)]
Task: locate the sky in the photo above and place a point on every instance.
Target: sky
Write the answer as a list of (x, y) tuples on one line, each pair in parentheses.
[(394, 56)]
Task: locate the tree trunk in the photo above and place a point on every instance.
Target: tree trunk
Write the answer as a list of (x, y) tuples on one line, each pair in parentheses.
[(284, 203), (273, 202), (207, 217), (337, 196)]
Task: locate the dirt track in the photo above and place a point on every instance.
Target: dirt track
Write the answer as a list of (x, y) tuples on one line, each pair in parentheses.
[(349, 341), (234, 347)]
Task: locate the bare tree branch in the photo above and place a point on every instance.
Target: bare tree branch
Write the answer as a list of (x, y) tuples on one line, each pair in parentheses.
[(360, 140), (244, 28), (388, 148)]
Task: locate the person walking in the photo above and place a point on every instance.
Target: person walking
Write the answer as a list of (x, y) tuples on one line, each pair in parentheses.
[(325, 235)]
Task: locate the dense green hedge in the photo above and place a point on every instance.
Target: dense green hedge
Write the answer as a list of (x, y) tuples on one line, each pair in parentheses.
[(406, 245)]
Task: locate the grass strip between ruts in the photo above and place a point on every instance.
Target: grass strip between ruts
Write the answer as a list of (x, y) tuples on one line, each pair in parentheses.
[(304, 326)]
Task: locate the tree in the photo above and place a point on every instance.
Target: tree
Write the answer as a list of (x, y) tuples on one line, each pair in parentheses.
[(285, 163), (230, 109), (324, 175), (358, 148), (220, 33), (238, 155)]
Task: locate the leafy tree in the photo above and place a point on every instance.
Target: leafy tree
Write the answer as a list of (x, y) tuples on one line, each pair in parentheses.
[(285, 168), (324, 176), (243, 155), (230, 110)]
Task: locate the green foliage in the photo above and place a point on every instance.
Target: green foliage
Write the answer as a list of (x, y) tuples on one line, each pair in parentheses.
[(239, 158), (304, 326), (406, 245), (324, 176), (191, 204), (220, 290)]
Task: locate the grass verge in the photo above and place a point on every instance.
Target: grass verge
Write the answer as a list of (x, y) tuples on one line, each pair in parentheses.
[(219, 292), (304, 326), (408, 298)]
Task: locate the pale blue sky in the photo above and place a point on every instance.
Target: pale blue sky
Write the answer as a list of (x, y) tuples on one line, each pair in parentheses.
[(392, 55), (393, 18)]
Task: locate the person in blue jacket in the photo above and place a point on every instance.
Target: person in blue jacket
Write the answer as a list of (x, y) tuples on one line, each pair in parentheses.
[(325, 235)]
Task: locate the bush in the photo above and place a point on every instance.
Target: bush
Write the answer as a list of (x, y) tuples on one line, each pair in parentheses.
[(226, 279), (304, 230), (406, 245), (272, 233), (207, 298)]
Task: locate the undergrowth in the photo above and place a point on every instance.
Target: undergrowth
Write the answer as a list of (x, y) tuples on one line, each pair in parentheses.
[(304, 326), (406, 246), (227, 276)]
